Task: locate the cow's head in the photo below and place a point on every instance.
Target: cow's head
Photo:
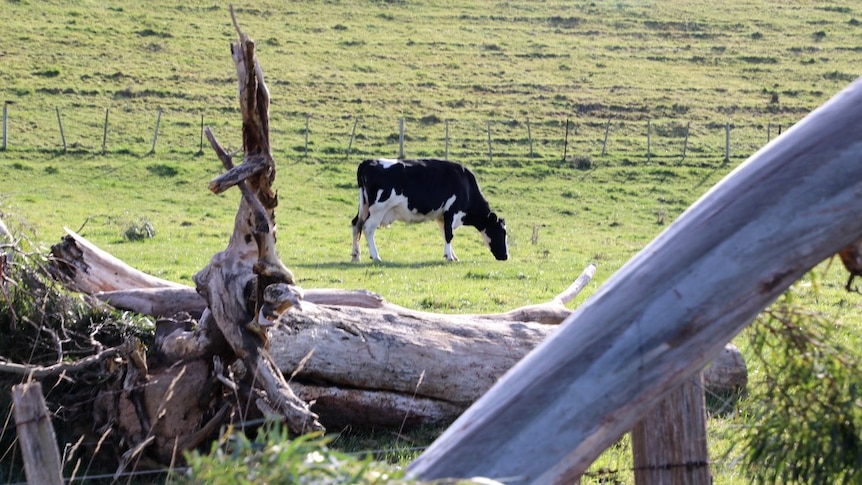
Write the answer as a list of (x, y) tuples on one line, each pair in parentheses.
[(495, 236)]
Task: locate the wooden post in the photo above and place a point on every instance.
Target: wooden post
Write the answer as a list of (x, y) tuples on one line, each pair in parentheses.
[(648, 140), (490, 151), (566, 143), (36, 434), (156, 134), (307, 118), (201, 146), (685, 143), (605, 143), (5, 124), (768, 132), (105, 134), (447, 140), (530, 137), (618, 355), (352, 135), (401, 138), (60, 123), (727, 142), (669, 444)]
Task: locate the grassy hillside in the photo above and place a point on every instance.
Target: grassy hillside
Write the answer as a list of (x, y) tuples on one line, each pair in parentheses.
[(522, 68), (468, 62)]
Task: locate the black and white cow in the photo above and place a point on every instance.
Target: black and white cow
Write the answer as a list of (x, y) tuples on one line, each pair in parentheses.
[(423, 190)]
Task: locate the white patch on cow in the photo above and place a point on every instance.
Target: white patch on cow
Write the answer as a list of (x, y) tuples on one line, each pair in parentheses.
[(388, 162), (486, 238), (396, 208), (449, 253), (457, 218)]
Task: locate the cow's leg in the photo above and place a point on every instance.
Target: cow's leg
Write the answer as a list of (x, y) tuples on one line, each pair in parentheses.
[(375, 217), (448, 232), (357, 234), (369, 238)]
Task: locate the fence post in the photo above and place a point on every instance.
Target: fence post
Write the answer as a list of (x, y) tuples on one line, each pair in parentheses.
[(566, 143), (201, 147), (669, 444), (490, 151), (768, 132), (60, 123), (5, 123), (648, 140), (307, 117), (605, 143), (401, 138), (105, 134), (352, 134), (156, 134), (685, 143), (530, 137), (727, 142), (447, 140), (36, 435)]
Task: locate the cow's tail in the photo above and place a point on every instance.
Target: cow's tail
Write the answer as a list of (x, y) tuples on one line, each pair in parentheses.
[(362, 211)]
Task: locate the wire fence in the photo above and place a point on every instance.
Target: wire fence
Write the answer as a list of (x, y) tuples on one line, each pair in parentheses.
[(302, 135)]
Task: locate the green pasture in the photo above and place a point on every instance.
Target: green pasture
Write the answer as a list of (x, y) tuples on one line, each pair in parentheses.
[(643, 82)]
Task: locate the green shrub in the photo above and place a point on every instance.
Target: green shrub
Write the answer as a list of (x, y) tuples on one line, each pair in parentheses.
[(141, 229), (806, 423), (272, 457)]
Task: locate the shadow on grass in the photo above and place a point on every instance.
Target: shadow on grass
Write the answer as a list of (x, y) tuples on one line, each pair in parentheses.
[(371, 265)]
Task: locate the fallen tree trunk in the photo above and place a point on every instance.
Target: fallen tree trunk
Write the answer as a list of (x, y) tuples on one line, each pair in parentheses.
[(364, 360)]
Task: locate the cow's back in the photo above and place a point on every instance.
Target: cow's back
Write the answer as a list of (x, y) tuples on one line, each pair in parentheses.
[(426, 183)]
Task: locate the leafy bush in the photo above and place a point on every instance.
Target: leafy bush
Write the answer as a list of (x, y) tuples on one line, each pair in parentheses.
[(806, 421), (141, 229), (272, 457)]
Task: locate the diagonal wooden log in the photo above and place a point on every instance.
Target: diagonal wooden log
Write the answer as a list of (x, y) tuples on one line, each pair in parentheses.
[(669, 310)]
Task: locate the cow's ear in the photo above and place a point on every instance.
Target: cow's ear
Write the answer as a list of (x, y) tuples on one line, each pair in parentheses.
[(492, 217)]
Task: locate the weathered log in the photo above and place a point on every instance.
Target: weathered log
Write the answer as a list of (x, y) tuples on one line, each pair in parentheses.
[(341, 408), (669, 310), (450, 359), (455, 358), (413, 341), (72, 259), (726, 373)]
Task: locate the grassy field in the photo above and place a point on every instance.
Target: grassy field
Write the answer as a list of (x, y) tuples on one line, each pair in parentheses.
[(522, 67)]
